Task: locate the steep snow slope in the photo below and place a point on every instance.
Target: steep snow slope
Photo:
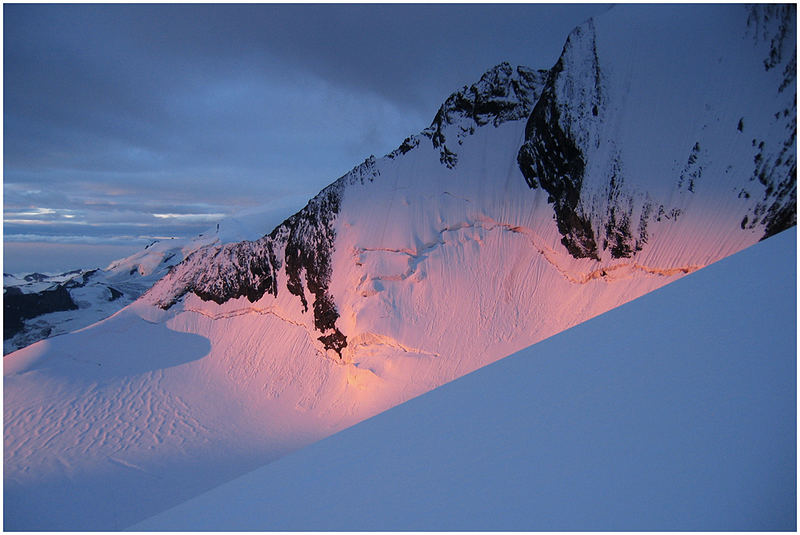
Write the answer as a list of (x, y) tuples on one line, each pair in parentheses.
[(498, 226), (674, 412)]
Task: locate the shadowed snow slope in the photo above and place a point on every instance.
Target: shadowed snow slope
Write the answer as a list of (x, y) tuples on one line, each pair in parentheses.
[(674, 412), (536, 200)]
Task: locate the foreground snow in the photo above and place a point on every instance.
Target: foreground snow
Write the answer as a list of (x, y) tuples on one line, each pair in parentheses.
[(674, 412)]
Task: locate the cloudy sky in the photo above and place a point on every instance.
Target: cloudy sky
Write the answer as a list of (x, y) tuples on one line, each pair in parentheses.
[(127, 122)]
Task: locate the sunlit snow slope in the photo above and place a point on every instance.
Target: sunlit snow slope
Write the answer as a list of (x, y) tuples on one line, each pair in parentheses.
[(675, 412), (663, 140)]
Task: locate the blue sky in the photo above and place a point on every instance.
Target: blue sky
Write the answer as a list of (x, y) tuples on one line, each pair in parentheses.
[(127, 122)]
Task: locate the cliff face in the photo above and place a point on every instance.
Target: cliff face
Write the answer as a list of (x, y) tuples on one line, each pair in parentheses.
[(574, 131)]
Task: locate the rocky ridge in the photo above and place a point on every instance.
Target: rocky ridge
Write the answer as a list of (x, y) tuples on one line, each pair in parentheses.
[(303, 244)]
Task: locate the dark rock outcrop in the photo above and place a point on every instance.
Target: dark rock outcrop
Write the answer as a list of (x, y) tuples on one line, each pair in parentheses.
[(18, 306), (551, 157)]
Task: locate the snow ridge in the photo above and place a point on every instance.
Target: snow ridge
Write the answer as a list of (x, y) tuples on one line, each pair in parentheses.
[(302, 245)]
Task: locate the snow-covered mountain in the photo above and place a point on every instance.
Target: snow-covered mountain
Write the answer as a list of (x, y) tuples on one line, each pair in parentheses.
[(663, 140)]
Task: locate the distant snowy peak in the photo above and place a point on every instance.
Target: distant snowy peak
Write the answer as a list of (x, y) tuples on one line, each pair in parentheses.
[(40, 305)]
